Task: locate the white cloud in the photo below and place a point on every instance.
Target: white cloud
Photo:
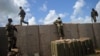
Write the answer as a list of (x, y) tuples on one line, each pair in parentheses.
[(98, 10), (27, 10), (10, 8), (75, 18), (43, 7), (78, 9), (78, 6), (32, 21), (87, 19), (7, 9), (22, 3), (51, 17)]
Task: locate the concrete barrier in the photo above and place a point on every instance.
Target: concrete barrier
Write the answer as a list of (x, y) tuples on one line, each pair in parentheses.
[(48, 33), (28, 39), (71, 31), (37, 38), (96, 28), (3, 42)]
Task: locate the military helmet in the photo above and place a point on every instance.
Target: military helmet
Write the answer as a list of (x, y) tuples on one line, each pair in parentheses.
[(58, 17), (93, 9), (20, 7), (10, 19)]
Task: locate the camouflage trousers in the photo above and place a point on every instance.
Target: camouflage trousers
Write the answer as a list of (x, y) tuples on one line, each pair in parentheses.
[(60, 31), (11, 42), (94, 18), (22, 20)]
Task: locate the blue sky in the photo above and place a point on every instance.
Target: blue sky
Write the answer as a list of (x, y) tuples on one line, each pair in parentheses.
[(61, 6), (47, 11)]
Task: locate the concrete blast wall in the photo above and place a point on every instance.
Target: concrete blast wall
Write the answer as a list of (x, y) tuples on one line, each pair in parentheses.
[(36, 39)]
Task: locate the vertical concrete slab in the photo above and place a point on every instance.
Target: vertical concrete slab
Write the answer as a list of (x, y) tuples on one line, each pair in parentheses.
[(21, 38), (48, 33), (86, 30), (3, 42), (28, 39), (96, 27), (71, 31), (32, 37), (54, 33)]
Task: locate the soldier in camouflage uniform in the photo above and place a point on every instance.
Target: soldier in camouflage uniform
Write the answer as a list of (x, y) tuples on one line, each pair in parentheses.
[(94, 14), (22, 16), (10, 34), (59, 26)]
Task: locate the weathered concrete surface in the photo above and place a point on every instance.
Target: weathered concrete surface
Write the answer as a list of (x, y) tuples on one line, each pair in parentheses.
[(47, 34), (21, 39), (28, 39), (3, 42), (71, 31), (86, 30), (96, 28), (37, 38)]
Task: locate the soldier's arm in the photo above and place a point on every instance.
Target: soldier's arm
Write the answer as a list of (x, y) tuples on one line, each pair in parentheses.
[(54, 22), (91, 14), (20, 13), (6, 28), (15, 28), (96, 13)]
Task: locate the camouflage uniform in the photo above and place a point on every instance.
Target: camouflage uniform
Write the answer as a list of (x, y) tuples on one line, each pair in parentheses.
[(22, 16), (94, 14), (10, 34), (59, 26)]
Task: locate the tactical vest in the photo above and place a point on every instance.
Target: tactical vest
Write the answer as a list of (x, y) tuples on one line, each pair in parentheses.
[(10, 30)]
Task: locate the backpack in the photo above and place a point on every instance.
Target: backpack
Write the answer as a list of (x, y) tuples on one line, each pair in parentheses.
[(96, 13)]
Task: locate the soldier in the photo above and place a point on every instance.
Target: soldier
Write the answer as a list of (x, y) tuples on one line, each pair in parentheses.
[(10, 34), (22, 16), (59, 26), (94, 14)]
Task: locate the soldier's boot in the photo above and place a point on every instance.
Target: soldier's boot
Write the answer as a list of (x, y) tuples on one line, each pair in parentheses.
[(26, 22), (95, 20), (60, 38), (9, 46), (14, 43)]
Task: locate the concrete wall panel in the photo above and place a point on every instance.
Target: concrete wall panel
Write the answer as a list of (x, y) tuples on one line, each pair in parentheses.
[(32, 36), (21, 38), (37, 38), (28, 39), (96, 28), (86, 30), (3, 42), (71, 31), (48, 33)]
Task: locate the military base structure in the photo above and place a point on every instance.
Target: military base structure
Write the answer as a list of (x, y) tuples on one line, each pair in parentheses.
[(35, 40)]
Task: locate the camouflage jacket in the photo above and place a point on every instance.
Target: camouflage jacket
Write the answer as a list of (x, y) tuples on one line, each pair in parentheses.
[(94, 13), (10, 30), (58, 23)]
